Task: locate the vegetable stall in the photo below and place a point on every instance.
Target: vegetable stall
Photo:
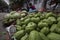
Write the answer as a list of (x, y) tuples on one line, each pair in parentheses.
[(34, 26)]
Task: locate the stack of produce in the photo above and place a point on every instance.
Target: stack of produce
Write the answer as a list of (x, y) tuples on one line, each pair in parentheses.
[(12, 16), (38, 26)]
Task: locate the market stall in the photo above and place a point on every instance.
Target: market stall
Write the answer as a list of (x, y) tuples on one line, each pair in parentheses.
[(33, 26)]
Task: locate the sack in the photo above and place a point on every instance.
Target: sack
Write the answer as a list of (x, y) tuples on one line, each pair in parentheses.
[(11, 30)]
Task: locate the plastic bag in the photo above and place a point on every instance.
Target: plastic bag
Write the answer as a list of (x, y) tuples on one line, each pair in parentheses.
[(11, 30)]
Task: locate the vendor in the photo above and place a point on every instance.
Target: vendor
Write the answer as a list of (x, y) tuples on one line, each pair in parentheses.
[(34, 7), (50, 5), (31, 8), (53, 5)]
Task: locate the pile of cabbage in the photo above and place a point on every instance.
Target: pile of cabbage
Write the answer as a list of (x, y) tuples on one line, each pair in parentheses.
[(35, 26), (12, 16)]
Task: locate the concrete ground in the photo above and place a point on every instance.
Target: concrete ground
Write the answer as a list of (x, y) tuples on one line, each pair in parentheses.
[(2, 29)]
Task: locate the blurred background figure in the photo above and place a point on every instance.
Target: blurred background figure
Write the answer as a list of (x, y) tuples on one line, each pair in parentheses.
[(53, 5), (31, 8)]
